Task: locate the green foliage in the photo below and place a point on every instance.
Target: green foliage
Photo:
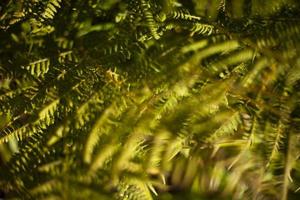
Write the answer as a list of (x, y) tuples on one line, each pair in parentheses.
[(145, 99)]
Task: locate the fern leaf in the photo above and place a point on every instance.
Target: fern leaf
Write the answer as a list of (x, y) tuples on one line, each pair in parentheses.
[(276, 143), (257, 68), (38, 68), (234, 59), (184, 15), (132, 145), (150, 19), (203, 29), (10, 132), (225, 46), (67, 56), (47, 114), (101, 126), (288, 166), (155, 155), (229, 127), (134, 189), (194, 46), (102, 156), (45, 188), (51, 9)]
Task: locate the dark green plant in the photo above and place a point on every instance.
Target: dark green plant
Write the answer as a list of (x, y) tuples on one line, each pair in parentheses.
[(150, 99)]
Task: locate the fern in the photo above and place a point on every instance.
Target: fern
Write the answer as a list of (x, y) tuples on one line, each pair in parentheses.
[(139, 99), (50, 10), (99, 128), (150, 19)]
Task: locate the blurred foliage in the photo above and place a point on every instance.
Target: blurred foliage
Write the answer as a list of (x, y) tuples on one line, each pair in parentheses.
[(146, 99)]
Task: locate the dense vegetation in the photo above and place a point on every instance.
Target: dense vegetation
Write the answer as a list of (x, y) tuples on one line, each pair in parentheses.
[(150, 99)]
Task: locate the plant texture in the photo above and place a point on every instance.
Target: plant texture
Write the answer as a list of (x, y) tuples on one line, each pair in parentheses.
[(150, 99)]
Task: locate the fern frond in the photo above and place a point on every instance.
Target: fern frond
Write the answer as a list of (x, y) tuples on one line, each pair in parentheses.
[(276, 143), (133, 189), (203, 29), (259, 65), (210, 9), (235, 59), (175, 99), (195, 46), (225, 46), (150, 19), (12, 14), (229, 127), (288, 165), (183, 15), (101, 126), (51, 10), (47, 114), (39, 67), (156, 150), (103, 155)]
